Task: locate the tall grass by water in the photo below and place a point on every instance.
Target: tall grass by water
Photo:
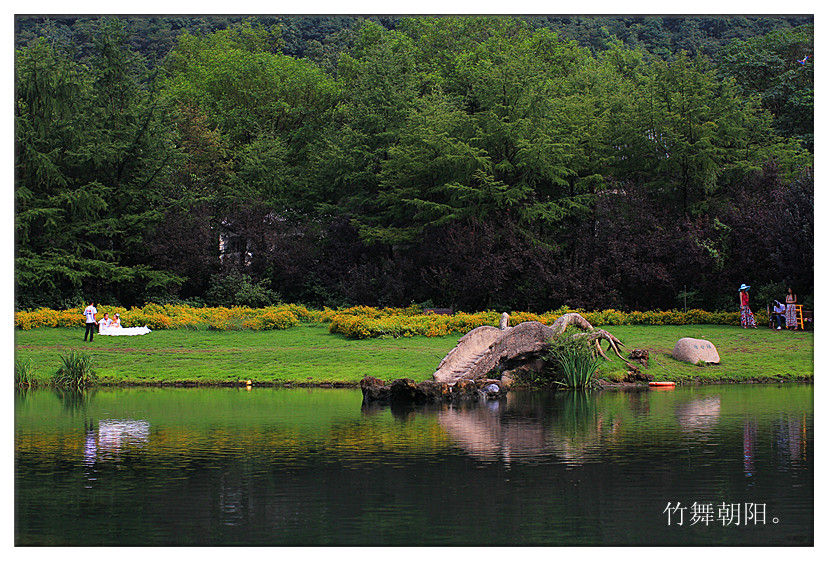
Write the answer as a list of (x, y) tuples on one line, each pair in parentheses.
[(25, 373), (75, 371), (577, 370), (572, 361)]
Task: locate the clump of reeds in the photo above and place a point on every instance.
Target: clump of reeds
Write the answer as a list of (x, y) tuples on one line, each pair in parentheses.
[(25, 374), (75, 371), (573, 360)]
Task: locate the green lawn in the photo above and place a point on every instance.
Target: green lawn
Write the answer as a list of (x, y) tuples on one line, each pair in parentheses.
[(746, 354), (303, 354), (309, 354)]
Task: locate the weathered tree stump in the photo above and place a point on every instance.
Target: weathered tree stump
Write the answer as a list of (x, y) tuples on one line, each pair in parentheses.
[(470, 369)]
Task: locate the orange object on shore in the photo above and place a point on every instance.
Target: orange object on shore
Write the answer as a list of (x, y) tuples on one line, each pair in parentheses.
[(662, 384)]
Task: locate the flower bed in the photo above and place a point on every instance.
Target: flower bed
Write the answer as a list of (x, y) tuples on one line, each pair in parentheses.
[(156, 316), (360, 322)]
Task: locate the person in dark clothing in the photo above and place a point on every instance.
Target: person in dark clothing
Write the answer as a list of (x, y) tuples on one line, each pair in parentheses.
[(91, 322)]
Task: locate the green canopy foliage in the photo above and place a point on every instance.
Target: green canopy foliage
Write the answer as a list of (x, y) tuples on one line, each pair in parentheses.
[(769, 67), (333, 172), (93, 151)]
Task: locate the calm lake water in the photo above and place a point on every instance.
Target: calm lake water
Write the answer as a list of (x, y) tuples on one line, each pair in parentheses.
[(716, 465)]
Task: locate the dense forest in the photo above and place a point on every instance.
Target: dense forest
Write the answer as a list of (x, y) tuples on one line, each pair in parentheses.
[(469, 162)]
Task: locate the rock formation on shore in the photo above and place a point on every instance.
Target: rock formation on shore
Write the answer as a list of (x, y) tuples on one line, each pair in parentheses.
[(486, 360)]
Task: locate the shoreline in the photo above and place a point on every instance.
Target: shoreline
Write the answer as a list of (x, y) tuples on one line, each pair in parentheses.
[(602, 384)]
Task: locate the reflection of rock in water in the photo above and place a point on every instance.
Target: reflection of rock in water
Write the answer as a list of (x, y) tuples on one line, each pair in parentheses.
[(112, 436), (481, 432), (699, 415), (402, 411), (638, 405), (488, 432)]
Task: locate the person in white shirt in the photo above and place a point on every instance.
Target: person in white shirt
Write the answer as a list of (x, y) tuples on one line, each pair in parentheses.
[(104, 324), (90, 312), (778, 314)]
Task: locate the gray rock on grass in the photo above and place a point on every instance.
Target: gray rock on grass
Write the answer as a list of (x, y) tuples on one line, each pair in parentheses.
[(694, 351)]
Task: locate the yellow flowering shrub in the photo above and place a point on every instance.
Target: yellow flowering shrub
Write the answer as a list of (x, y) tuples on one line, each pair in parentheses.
[(358, 322), (45, 317), (278, 319), (301, 313), (151, 315), (520, 317), (24, 320), (351, 326)]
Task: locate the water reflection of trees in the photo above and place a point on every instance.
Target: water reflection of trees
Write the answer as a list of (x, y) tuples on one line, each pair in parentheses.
[(239, 477), (569, 427)]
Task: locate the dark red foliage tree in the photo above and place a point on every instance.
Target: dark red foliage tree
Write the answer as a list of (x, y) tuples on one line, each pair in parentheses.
[(186, 243)]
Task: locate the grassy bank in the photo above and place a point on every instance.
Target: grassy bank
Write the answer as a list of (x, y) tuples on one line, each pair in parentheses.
[(309, 354), (746, 355), (302, 354)]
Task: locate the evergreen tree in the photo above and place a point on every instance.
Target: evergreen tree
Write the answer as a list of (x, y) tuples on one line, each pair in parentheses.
[(92, 163)]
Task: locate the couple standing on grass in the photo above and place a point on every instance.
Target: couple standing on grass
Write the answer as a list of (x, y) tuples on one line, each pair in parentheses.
[(108, 326), (748, 320), (786, 313)]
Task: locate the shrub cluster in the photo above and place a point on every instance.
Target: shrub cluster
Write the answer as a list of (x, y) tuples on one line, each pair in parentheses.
[(359, 326), (75, 372), (669, 317), (45, 317), (168, 316), (389, 322), (360, 322)]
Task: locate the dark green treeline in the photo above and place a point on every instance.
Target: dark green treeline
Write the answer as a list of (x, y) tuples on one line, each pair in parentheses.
[(471, 162)]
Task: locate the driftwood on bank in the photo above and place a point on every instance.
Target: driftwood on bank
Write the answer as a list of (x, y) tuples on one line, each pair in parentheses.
[(481, 363), (486, 349), (594, 336)]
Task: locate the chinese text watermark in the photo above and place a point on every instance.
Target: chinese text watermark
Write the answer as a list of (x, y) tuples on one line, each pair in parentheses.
[(726, 514)]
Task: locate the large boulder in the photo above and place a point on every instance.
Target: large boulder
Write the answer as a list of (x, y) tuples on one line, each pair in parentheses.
[(694, 351), (523, 344), (469, 348), (488, 351), (405, 390), (374, 389)]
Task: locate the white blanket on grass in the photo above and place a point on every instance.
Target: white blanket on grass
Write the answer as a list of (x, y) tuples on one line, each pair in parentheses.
[(116, 331)]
